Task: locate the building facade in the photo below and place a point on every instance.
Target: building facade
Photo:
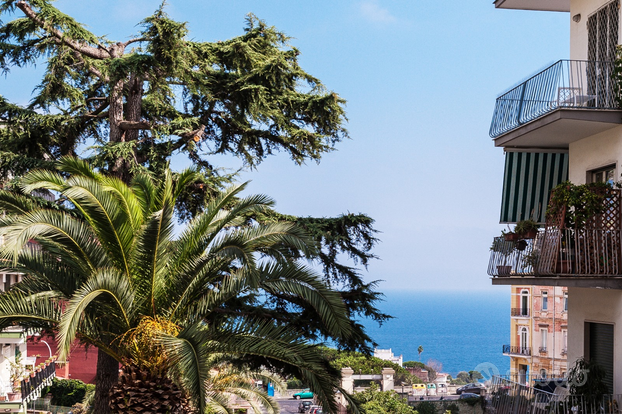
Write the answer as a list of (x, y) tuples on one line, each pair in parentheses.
[(387, 355), (565, 123), (538, 333)]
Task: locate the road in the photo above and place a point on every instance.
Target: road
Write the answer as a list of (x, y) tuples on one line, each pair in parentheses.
[(289, 405)]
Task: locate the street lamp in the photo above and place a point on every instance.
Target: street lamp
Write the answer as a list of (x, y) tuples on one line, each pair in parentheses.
[(45, 342)]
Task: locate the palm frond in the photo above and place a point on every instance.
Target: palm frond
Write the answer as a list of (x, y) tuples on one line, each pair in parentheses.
[(114, 288), (189, 358)]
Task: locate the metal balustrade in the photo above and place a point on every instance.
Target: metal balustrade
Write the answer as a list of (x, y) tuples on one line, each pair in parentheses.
[(565, 84), (509, 397), (584, 252), (31, 389), (520, 312), (516, 350)]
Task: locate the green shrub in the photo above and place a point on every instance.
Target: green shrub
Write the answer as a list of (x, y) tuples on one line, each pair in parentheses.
[(294, 383), (426, 407), (67, 393)]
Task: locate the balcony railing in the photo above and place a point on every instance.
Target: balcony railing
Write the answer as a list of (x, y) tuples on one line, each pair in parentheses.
[(565, 84), (542, 350), (586, 252), (31, 390), (520, 312), (516, 350), (508, 397)]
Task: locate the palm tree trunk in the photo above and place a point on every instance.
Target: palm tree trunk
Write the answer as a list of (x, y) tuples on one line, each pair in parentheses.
[(107, 377)]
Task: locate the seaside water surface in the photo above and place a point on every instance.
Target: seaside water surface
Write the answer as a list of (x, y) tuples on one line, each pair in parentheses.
[(459, 329)]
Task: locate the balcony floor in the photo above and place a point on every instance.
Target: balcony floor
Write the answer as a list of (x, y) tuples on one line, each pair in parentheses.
[(602, 282), (550, 5), (557, 129)]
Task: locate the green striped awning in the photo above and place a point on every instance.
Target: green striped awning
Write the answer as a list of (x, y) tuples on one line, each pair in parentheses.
[(527, 183)]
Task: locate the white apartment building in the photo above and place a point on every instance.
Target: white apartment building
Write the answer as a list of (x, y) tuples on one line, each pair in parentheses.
[(565, 123)]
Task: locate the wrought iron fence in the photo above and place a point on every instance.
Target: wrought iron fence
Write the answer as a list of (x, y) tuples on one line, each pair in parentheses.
[(520, 312), (508, 397), (517, 350), (564, 84), (583, 252), (31, 389), (512, 257)]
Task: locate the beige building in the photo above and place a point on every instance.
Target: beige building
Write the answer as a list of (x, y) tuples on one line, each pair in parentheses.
[(538, 333), (565, 123)]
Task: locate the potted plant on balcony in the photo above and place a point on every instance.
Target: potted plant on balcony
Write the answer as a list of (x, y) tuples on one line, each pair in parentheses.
[(509, 235), (504, 249), (15, 394), (572, 208), (526, 229), (530, 260), (578, 203)]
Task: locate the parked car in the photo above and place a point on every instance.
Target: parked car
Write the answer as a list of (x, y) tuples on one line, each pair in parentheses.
[(306, 393), (304, 406), (474, 388), (314, 409), (466, 395)]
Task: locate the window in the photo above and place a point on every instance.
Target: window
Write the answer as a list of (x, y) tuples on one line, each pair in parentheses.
[(524, 305), (602, 175), (545, 301), (564, 341), (544, 333), (524, 343), (602, 32), (565, 301)]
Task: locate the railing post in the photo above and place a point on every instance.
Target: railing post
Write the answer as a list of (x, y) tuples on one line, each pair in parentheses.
[(520, 103)]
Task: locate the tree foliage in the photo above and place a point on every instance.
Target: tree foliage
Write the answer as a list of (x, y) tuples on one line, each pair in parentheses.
[(113, 275), (464, 377), (365, 364), (161, 94), (374, 401)]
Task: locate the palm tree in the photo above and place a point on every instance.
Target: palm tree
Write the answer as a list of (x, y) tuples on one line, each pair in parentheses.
[(111, 273)]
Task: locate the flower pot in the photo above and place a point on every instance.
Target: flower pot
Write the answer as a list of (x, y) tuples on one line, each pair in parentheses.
[(510, 236), (531, 234), (504, 270), (2, 398), (14, 396)]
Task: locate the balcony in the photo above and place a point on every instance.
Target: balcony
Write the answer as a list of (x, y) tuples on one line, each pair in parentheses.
[(549, 5), (562, 254), (14, 400), (516, 350), (568, 101), (520, 312), (542, 350)]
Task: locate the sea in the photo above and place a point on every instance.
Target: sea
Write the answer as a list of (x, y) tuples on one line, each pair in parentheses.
[(461, 330)]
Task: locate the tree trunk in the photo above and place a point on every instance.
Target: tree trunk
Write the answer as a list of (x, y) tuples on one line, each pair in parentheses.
[(107, 377)]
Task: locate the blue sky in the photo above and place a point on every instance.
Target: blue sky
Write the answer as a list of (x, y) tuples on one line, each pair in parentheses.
[(421, 78)]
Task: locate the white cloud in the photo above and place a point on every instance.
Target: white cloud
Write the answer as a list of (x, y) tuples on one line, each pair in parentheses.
[(371, 10)]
